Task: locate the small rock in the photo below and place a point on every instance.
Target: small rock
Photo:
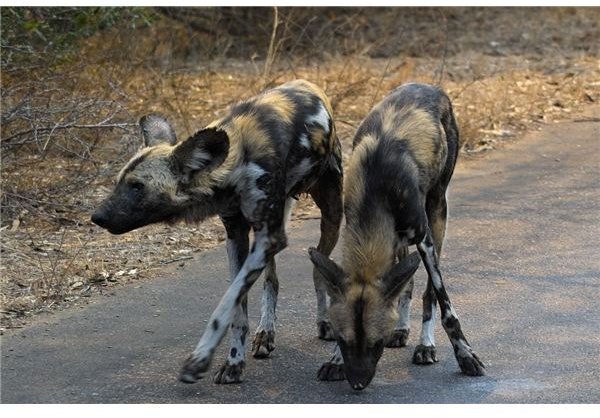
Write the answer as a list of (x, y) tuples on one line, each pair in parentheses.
[(77, 285)]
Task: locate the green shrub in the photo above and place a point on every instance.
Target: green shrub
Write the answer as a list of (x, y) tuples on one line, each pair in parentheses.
[(31, 34)]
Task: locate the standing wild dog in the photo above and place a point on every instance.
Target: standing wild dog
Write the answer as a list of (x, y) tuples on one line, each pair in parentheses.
[(247, 168), (395, 195)]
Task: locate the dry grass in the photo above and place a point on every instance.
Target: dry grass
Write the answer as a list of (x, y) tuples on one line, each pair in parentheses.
[(502, 81)]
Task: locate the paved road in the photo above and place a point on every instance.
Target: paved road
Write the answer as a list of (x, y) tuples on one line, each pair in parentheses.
[(521, 263)]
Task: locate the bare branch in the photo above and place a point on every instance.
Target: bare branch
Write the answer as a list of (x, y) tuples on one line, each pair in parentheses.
[(272, 51)]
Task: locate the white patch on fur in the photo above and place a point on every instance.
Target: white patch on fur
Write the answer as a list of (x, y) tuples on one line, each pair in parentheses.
[(464, 349), (254, 170), (428, 330), (225, 310), (244, 180), (430, 264), (451, 313), (198, 160), (404, 311), (297, 173), (337, 357), (267, 309), (321, 118), (304, 141), (245, 176), (269, 296)]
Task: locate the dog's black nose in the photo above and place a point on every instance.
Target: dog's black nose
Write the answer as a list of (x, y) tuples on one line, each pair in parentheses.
[(358, 377), (100, 219)]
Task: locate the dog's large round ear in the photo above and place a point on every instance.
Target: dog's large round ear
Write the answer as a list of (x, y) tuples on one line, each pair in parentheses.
[(205, 150), (156, 129), (333, 275), (399, 276)]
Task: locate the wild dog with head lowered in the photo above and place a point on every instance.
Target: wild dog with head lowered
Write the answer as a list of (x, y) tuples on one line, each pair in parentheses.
[(395, 196), (246, 167)]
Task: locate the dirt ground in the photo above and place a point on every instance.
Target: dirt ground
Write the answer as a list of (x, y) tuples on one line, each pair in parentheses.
[(506, 70)]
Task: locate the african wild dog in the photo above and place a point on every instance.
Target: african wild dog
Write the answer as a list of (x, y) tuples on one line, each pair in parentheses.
[(246, 167), (395, 195)]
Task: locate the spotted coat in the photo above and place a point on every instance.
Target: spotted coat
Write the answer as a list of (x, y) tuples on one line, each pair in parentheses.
[(395, 196), (247, 168)]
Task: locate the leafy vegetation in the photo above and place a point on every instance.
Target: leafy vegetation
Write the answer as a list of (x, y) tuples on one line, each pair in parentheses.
[(29, 34)]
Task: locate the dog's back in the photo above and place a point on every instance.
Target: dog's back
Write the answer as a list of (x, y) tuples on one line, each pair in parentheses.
[(405, 148), (288, 131)]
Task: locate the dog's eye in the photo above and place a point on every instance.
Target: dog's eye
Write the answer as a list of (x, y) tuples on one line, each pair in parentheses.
[(136, 186)]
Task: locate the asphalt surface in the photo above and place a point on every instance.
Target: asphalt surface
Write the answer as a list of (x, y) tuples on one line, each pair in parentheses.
[(521, 264)]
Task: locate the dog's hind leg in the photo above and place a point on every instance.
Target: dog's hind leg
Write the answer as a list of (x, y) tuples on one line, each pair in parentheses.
[(327, 194), (264, 338)]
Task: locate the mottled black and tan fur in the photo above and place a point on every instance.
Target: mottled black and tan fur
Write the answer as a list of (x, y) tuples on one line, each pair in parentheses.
[(395, 196), (246, 167)]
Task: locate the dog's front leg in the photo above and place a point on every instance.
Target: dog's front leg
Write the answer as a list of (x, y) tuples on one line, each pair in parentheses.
[(266, 245), (467, 360), (237, 228)]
